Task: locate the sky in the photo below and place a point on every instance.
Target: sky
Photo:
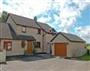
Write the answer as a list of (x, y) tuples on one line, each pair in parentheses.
[(70, 16)]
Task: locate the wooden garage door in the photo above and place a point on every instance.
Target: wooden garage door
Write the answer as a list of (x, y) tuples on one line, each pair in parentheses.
[(60, 49)]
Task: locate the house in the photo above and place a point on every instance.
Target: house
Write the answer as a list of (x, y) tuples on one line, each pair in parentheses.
[(67, 45), (23, 36), (11, 42), (20, 35)]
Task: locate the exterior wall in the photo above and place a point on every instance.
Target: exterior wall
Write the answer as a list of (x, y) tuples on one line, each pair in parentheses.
[(32, 32), (75, 49), (29, 31), (60, 39), (39, 37), (48, 37), (0, 45), (52, 46), (16, 48)]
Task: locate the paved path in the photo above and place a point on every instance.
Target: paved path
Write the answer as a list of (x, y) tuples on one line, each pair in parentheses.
[(53, 64)]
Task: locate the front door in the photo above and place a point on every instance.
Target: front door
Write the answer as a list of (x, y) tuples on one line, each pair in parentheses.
[(29, 47)]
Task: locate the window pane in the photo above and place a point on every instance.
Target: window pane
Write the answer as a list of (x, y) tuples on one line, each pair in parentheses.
[(23, 29), (9, 48), (8, 45), (37, 45), (39, 31)]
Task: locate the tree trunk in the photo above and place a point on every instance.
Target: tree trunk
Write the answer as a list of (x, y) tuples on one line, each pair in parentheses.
[(87, 51)]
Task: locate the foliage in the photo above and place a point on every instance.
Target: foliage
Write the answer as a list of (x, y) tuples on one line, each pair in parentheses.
[(4, 16), (88, 46), (54, 30), (85, 57)]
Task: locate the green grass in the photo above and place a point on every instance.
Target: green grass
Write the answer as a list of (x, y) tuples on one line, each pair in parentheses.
[(84, 57), (88, 46)]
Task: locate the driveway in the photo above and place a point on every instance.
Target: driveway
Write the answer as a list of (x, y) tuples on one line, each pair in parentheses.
[(51, 64)]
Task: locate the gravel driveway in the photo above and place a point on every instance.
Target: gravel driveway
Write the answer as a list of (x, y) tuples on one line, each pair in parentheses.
[(52, 64)]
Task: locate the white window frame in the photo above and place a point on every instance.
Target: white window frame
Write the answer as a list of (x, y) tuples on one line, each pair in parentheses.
[(24, 29)]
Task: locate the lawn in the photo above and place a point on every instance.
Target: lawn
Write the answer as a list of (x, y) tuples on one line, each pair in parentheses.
[(84, 57), (88, 47)]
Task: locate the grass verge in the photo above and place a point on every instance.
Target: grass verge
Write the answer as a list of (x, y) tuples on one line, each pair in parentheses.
[(84, 57)]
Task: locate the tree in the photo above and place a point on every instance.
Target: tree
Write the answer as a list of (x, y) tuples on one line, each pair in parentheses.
[(4, 16), (88, 48)]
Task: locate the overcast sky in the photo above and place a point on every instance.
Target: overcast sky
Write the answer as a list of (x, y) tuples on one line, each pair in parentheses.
[(70, 16)]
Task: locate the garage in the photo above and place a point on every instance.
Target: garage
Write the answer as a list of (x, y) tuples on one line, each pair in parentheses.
[(67, 45), (60, 49)]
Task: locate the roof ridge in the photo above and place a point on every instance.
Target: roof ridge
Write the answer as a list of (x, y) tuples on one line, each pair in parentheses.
[(63, 34)]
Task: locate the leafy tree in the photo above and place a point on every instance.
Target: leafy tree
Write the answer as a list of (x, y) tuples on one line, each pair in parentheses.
[(88, 48), (4, 16)]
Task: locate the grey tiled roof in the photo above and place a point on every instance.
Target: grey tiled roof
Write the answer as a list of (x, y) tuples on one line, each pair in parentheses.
[(25, 37), (45, 26), (29, 22), (5, 31), (72, 37), (68, 36), (23, 21)]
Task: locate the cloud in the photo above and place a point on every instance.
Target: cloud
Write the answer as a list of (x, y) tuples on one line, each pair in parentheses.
[(69, 11), (1, 6), (25, 7), (60, 14), (83, 32)]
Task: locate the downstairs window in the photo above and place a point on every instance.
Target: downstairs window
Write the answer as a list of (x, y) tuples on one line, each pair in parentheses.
[(8, 45)]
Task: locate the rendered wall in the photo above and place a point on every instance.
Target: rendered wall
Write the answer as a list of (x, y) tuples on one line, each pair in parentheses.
[(16, 48)]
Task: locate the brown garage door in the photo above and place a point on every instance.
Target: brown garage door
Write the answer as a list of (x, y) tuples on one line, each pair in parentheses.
[(60, 49)]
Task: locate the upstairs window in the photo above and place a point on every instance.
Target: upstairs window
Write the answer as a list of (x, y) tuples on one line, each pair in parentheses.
[(39, 31), (24, 29)]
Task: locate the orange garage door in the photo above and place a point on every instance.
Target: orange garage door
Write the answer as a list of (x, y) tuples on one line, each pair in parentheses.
[(60, 49)]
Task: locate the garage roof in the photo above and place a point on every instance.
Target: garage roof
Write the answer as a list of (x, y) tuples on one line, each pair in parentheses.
[(70, 37)]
